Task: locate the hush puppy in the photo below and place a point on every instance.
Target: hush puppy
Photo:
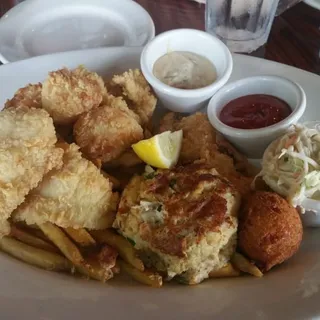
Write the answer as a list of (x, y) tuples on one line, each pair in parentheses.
[(270, 229)]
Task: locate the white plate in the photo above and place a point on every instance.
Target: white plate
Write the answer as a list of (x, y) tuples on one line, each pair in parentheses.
[(290, 291), (37, 27), (313, 3)]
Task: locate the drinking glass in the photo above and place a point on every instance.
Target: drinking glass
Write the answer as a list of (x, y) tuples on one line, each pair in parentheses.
[(243, 25)]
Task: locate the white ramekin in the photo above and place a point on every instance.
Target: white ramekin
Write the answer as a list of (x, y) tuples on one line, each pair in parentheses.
[(200, 42), (253, 142), (311, 217)]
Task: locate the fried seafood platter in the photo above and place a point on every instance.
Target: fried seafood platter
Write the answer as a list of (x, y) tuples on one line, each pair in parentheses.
[(90, 187)]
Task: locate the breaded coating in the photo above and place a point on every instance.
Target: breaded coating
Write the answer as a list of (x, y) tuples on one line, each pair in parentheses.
[(27, 153), (202, 143), (183, 221), (29, 96), (105, 260), (198, 135), (106, 132), (270, 229), (137, 93), (127, 159), (68, 93), (77, 195)]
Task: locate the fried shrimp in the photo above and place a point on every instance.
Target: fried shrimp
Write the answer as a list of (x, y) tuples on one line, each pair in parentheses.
[(28, 96), (137, 93), (106, 132), (68, 93), (201, 143)]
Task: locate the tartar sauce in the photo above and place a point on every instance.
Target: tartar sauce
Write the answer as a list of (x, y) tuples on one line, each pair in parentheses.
[(185, 70)]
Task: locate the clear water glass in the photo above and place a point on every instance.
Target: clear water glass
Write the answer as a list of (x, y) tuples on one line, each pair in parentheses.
[(243, 25)]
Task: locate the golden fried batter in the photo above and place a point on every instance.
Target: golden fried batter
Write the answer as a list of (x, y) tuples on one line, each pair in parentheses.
[(106, 132), (126, 159), (202, 143), (77, 195), (198, 134), (27, 153), (270, 229), (29, 96), (137, 93), (68, 93)]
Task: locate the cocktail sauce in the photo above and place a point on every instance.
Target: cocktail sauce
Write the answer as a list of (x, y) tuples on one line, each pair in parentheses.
[(254, 111)]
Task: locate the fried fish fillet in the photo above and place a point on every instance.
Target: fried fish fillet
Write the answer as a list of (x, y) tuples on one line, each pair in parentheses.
[(202, 143), (27, 153), (68, 93), (137, 93), (29, 96), (77, 195), (106, 132)]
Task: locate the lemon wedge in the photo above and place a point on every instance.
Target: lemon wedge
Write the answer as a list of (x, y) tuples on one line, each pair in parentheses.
[(160, 151)]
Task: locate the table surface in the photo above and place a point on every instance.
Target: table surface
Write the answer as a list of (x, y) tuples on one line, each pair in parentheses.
[(294, 38)]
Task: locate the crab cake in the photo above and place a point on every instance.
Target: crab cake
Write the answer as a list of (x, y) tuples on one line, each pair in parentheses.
[(68, 93), (183, 221), (270, 229)]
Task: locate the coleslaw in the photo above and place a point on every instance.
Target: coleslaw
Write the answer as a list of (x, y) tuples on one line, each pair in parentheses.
[(291, 165)]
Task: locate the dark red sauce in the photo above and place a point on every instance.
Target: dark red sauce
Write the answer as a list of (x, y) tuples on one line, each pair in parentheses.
[(254, 111)]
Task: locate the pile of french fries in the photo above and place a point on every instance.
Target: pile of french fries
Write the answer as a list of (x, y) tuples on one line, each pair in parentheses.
[(50, 247)]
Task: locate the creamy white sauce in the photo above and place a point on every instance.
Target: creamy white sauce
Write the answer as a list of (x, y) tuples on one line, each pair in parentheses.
[(185, 70)]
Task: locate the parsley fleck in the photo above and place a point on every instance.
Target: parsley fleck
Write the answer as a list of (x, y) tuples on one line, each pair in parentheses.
[(131, 241), (149, 176)]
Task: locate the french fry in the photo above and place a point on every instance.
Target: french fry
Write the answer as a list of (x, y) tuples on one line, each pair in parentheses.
[(80, 236), (38, 233), (31, 240), (100, 265), (244, 265), (122, 245), (37, 257), (227, 271), (27, 226), (146, 277), (94, 270), (33, 229), (57, 236)]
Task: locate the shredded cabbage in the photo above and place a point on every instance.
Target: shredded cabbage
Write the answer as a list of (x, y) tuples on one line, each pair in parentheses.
[(291, 165)]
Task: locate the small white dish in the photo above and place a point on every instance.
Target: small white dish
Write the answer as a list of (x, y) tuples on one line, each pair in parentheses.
[(195, 41), (311, 217), (37, 27), (253, 142)]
